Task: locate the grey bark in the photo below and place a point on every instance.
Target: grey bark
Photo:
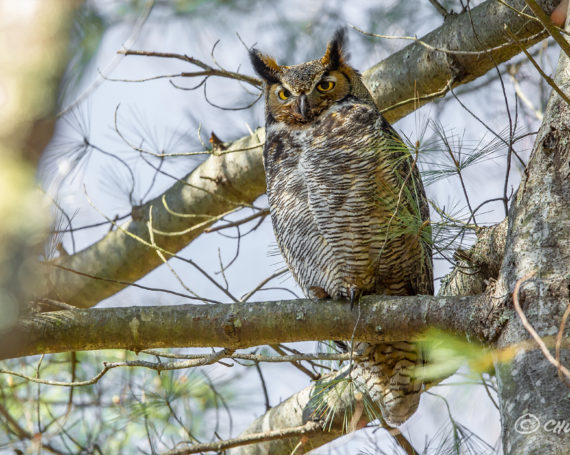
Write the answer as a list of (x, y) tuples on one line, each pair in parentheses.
[(533, 397), (238, 178)]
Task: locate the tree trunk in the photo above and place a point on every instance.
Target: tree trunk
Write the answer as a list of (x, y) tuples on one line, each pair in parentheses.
[(534, 399)]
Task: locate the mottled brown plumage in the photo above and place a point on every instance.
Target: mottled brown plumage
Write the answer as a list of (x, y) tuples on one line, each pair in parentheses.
[(347, 204)]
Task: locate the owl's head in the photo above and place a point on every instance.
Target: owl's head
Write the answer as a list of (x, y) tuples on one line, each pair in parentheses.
[(298, 94)]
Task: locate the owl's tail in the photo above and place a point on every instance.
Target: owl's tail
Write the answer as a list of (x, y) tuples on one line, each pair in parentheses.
[(386, 374)]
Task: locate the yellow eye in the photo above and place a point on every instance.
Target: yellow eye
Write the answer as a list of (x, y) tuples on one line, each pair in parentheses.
[(325, 86), (283, 94)]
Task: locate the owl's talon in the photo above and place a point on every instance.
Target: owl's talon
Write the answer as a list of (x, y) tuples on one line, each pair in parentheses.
[(317, 293), (354, 295)]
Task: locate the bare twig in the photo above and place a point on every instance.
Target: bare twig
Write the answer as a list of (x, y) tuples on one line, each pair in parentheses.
[(307, 429), (295, 363), (559, 339), (263, 386), (161, 255), (262, 213), (256, 357), (512, 70), (208, 70), (88, 226), (439, 7), (428, 97), (549, 26), (247, 296), (547, 78), (561, 368), (440, 49), (157, 366), (129, 283)]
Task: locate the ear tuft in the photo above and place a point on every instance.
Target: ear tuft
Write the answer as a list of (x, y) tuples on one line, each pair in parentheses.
[(334, 56), (265, 66)]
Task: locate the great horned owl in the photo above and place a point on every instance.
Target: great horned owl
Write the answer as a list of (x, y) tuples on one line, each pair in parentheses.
[(347, 203)]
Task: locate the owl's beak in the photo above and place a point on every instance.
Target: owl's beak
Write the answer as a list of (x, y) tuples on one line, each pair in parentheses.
[(303, 106)]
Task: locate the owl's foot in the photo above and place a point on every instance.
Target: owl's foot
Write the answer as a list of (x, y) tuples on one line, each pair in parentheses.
[(354, 295), (317, 293)]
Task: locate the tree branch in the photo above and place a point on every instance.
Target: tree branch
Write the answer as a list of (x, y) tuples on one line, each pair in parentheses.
[(228, 181), (308, 428), (235, 326)]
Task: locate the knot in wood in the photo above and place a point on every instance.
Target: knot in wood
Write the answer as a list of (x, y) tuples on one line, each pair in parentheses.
[(231, 327)]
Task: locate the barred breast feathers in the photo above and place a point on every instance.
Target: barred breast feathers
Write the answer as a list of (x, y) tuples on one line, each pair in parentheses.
[(332, 186)]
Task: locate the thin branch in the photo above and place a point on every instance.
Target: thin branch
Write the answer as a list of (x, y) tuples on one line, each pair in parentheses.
[(263, 387), (545, 76), (417, 99), (247, 296), (129, 283), (208, 70), (440, 49), (548, 25), (308, 429), (295, 363), (440, 9), (559, 339), (89, 226), (561, 368), (256, 357), (262, 213), (107, 366), (486, 386), (161, 255)]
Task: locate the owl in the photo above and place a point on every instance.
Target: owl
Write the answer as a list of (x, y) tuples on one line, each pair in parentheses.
[(347, 204)]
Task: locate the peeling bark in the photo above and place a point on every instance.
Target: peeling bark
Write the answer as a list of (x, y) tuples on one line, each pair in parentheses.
[(239, 177)]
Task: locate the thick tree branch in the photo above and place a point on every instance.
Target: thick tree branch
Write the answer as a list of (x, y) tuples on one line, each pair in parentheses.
[(417, 71), (377, 318), (225, 182), (221, 184)]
